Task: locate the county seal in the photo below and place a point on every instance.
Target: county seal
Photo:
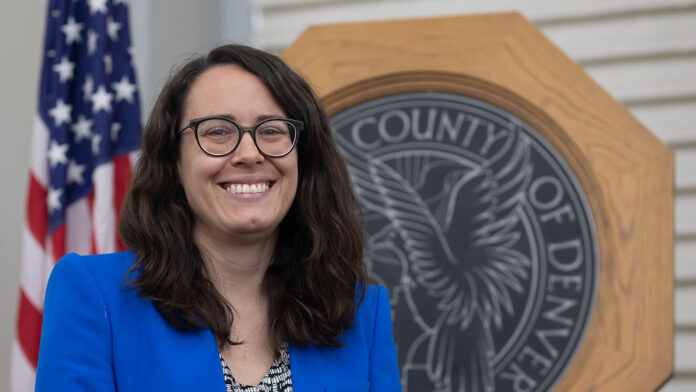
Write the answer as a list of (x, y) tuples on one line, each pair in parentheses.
[(481, 233)]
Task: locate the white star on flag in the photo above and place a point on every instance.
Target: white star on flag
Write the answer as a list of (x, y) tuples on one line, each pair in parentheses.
[(82, 129), (108, 63), (72, 30), (60, 112), (75, 172), (124, 89), (101, 100), (88, 88), (115, 129), (92, 37), (65, 69), (96, 139), (131, 52), (97, 6), (112, 28), (54, 199), (57, 153)]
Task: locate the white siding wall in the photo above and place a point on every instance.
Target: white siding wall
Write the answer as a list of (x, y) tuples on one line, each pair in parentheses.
[(642, 51)]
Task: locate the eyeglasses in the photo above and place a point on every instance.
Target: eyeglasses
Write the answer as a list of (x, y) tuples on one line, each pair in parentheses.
[(220, 136)]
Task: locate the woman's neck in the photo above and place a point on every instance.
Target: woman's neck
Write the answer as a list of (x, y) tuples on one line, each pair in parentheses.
[(237, 267)]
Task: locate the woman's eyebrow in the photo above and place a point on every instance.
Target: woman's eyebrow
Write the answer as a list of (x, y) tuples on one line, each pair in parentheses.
[(215, 115), (262, 117), (231, 117)]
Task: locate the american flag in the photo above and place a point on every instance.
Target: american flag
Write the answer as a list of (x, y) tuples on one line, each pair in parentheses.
[(85, 139)]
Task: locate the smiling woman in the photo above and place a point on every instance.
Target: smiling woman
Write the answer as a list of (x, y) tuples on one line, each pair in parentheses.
[(246, 266)]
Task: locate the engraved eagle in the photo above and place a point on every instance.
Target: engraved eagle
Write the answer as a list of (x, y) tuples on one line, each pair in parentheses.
[(455, 246)]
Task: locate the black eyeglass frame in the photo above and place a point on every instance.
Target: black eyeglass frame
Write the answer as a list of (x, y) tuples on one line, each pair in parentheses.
[(193, 124)]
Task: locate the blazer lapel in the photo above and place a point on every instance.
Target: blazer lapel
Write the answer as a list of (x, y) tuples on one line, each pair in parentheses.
[(306, 369), (194, 363)]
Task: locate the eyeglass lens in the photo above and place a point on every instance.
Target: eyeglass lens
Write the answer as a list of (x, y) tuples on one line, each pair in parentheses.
[(219, 137)]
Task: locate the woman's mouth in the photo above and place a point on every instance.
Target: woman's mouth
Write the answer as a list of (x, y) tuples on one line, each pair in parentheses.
[(259, 187)]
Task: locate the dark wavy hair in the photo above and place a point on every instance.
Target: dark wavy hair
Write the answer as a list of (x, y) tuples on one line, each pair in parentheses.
[(314, 282)]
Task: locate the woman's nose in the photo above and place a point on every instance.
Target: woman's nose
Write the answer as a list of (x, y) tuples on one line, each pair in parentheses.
[(246, 152)]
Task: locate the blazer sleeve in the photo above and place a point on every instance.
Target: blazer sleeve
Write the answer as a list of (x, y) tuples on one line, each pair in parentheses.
[(75, 352), (384, 366)]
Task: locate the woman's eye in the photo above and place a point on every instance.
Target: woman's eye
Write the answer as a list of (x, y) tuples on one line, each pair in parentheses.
[(270, 131), (217, 132)]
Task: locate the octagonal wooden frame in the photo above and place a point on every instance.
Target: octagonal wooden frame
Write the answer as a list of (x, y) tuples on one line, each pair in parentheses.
[(626, 173)]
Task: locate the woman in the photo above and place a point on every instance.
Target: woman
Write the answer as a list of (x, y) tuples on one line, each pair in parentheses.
[(246, 254)]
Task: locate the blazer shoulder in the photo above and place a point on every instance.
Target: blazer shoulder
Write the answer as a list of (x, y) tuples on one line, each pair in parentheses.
[(106, 263), (374, 296), (373, 310), (107, 270)]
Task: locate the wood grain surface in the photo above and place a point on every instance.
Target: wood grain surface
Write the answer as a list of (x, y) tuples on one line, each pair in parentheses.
[(625, 172)]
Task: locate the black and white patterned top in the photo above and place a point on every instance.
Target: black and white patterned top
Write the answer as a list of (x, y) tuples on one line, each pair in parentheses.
[(276, 380)]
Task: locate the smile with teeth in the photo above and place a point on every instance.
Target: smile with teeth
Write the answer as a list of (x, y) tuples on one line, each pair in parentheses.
[(247, 188)]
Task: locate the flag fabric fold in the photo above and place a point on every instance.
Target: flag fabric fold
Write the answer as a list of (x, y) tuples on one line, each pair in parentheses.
[(85, 140)]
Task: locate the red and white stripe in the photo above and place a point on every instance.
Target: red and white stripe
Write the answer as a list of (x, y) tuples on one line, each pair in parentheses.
[(91, 227)]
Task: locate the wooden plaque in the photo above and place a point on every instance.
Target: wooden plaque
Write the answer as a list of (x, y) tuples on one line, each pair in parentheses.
[(393, 87)]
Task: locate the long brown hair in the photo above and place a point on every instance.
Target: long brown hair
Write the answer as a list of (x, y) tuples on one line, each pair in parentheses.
[(317, 265)]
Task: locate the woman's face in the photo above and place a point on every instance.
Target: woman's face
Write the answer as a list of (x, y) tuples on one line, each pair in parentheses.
[(221, 212)]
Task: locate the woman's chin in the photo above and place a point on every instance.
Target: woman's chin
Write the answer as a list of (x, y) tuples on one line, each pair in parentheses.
[(252, 229)]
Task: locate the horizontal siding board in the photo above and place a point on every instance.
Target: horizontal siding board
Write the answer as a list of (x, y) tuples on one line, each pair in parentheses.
[(685, 214), (657, 79), (285, 20), (269, 4), (542, 10), (680, 383), (685, 260), (685, 166), (685, 305), (673, 124), (685, 352), (643, 36)]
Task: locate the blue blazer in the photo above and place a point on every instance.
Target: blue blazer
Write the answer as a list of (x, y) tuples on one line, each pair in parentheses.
[(99, 336)]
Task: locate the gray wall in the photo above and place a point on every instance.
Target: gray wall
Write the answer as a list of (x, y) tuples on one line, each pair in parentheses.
[(21, 41), (164, 32), (167, 32)]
